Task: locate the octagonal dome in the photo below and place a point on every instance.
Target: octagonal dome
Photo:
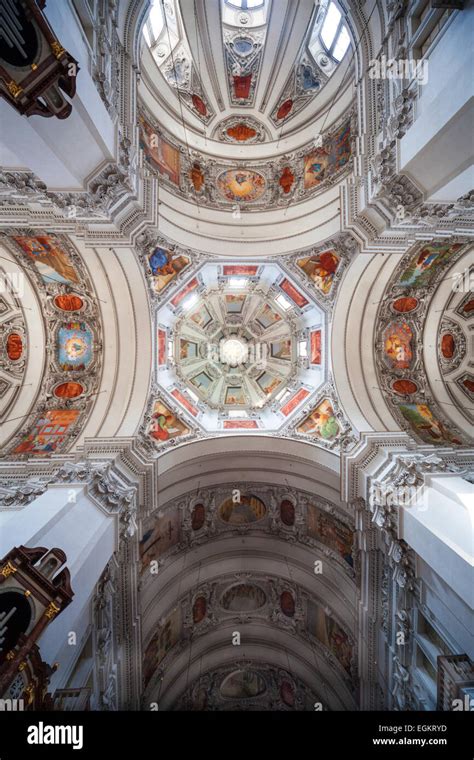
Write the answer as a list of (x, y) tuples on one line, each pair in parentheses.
[(239, 348)]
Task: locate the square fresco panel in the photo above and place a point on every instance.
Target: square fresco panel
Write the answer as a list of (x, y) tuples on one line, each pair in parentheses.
[(281, 350), (235, 395), (320, 269), (321, 423), (160, 153), (425, 264), (187, 349), (161, 534), (331, 532), (330, 633), (268, 383), (266, 317), (201, 317), (164, 639), (165, 267), (49, 432), (234, 304), (53, 264), (165, 424), (202, 382)]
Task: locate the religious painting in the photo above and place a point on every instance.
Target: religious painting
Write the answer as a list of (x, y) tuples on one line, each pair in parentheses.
[(167, 635), (448, 345), (75, 346), (404, 387), (161, 347), (285, 109), (405, 304), (197, 177), (240, 270), (329, 632), (268, 383), (242, 84), (49, 432), (287, 513), (291, 405), (294, 294), (187, 349), (165, 267), (184, 402), (243, 597), (199, 609), (267, 317), (198, 516), (426, 425), (53, 264), (235, 395), (165, 424), (397, 345), (321, 269), (237, 185), (316, 347), (248, 509), (243, 684), (330, 532), (160, 153), (321, 423), (235, 304), (176, 300), (240, 425), (281, 350), (426, 263), (329, 159), (202, 382), (69, 390), (286, 180), (241, 132), (14, 346), (163, 533), (68, 302), (201, 317), (287, 604)]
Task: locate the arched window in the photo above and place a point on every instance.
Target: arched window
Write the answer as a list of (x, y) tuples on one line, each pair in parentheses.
[(334, 34), (246, 5)]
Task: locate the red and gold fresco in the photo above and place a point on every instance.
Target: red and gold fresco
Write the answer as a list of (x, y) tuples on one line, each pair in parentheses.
[(291, 405), (316, 347), (397, 345), (321, 269), (296, 296), (49, 432)]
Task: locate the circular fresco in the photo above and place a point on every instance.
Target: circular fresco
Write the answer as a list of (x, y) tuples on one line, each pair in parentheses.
[(237, 185)]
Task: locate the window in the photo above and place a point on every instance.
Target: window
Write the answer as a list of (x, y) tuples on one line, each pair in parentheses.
[(334, 34), (246, 5)]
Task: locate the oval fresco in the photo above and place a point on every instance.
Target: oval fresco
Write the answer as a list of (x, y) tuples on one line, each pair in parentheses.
[(198, 516), (249, 509), (287, 693), (405, 304), (199, 105), (245, 597), (69, 390), (448, 346), (287, 512), (14, 347), (404, 387), (287, 604), (243, 684), (69, 302), (199, 609), (285, 109), (239, 185)]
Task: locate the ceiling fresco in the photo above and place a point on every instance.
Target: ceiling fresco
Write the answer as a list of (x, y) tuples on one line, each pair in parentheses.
[(73, 358), (244, 33), (248, 597), (250, 185), (401, 346)]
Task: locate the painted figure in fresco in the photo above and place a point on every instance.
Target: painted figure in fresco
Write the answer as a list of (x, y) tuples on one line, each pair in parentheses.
[(321, 423), (397, 345), (165, 424), (161, 262), (321, 269)]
